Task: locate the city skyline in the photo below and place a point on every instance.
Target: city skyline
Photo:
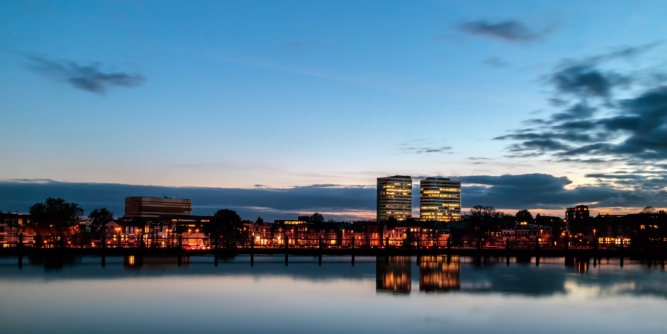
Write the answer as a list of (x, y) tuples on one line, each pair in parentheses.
[(209, 200), (537, 106), (333, 166)]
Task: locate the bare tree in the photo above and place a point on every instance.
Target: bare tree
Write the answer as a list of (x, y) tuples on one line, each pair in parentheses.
[(647, 210)]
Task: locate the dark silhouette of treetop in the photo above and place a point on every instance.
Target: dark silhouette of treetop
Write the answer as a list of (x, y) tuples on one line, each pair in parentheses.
[(55, 213), (647, 210), (316, 218), (227, 216), (101, 216), (524, 216)]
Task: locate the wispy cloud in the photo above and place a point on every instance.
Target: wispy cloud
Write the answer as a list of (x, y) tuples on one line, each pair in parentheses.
[(370, 80), (509, 30), (91, 78), (495, 62), (303, 45), (425, 149)]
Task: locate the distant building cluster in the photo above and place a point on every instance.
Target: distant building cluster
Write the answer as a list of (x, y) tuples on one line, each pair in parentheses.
[(169, 222), (439, 199)]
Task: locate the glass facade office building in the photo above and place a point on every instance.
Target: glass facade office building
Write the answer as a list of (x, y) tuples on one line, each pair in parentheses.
[(394, 197), (439, 199)]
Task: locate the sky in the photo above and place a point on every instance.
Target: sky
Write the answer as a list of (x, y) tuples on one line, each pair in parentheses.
[(301, 105)]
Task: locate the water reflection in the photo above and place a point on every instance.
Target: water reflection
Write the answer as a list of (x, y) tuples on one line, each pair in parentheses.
[(439, 273), (53, 263), (393, 274), (155, 262), (383, 294)]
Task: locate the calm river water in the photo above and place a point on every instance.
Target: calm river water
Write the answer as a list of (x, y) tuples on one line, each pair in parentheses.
[(375, 295)]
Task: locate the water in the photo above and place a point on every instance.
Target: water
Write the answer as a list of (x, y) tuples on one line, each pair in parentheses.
[(383, 295)]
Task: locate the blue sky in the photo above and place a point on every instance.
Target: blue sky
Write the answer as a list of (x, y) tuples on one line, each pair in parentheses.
[(302, 93)]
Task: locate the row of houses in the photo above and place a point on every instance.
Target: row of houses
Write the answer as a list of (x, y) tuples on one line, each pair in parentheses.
[(348, 234), (150, 229)]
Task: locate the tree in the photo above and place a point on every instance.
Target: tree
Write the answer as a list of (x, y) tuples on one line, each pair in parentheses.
[(55, 214), (391, 221), (227, 216), (99, 217), (316, 218), (259, 220), (483, 211), (226, 224), (524, 216), (481, 221), (647, 210)]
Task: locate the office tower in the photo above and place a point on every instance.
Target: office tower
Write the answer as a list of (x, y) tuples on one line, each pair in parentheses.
[(439, 199), (394, 197)]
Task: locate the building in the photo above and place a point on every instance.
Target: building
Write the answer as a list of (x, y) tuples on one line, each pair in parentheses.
[(291, 222), (157, 208), (394, 197), (576, 218), (579, 212), (439, 199)]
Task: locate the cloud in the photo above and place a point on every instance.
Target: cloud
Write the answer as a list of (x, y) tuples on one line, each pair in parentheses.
[(301, 45), (495, 62), (545, 191), (91, 78), (419, 146), (577, 111), (591, 122), (626, 53), (266, 202), (532, 191), (587, 81), (419, 150), (508, 31)]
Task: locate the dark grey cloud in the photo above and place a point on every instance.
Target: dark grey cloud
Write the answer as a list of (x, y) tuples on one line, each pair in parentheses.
[(545, 191), (577, 111), (591, 122), (18, 195), (508, 30), (587, 161), (506, 191), (587, 81), (540, 145), (548, 138), (91, 78)]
